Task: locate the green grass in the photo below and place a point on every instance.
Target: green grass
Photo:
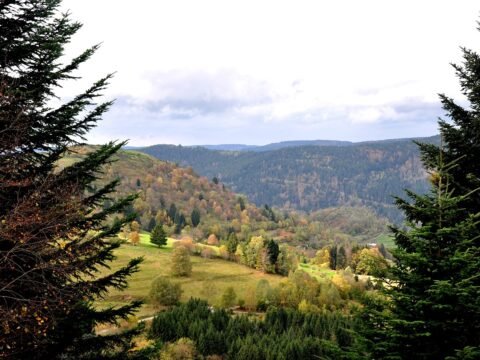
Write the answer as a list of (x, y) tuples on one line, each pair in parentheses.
[(387, 240), (220, 273), (317, 271), (145, 240)]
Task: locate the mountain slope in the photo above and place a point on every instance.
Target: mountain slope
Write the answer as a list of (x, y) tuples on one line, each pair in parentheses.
[(313, 177), (161, 184)]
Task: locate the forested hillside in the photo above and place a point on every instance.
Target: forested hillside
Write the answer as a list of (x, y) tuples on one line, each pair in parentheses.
[(313, 177), (173, 196), (168, 194)]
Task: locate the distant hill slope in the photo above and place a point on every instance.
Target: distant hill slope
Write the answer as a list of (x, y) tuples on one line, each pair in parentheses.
[(313, 177)]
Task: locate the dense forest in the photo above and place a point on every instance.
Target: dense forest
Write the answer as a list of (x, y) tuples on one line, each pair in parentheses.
[(313, 177), (283, 334)]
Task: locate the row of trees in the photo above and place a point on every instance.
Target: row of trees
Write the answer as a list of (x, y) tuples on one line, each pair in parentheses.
[(361, 259), (261, 254), (306, 293)]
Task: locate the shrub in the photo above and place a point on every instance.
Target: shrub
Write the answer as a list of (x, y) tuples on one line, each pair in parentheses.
[(208, 253), (212, 240), (134, 237), (187, 243), (182, 349), (223, 251), (228, 297), (164, 292), (181, 265)]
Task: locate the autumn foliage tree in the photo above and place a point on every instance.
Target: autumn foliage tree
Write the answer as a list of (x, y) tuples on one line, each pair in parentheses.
[(181, 264), (53, 237), (164, 292)]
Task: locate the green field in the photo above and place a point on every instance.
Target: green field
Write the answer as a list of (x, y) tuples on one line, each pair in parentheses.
[(317, 271), (220, 273), (387, 240)]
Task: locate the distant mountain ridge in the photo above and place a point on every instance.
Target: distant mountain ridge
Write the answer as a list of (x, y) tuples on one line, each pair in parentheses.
[(297, 143), (313, 177), (276, 146)]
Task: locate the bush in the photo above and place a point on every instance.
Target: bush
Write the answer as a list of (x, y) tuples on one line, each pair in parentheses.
[(134, 237), (223, 252), (182, 349), (228, 297), (212, 240), (164, 292), (208, 253), (185, 242), (181, 265)]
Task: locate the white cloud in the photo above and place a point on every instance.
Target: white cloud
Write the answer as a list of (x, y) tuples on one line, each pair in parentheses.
[(284, 64)]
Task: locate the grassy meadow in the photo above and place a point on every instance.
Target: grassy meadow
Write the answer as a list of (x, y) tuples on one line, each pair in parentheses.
[(218, 273), (317, 272), (387, 240)]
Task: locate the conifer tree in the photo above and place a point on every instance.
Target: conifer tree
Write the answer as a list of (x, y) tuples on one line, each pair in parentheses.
[(195, 217), (434, 297), (172, 211), (273, 251), (159, 236), (341, 262), (53, 237), (232, 243), (435, 292), (179, 222), (151, 224), (333, 257)]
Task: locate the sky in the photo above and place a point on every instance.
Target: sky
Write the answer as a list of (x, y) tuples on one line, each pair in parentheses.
[(257, 72)]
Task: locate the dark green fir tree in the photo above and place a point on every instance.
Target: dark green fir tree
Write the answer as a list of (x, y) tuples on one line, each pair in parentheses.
[(273, 251), (53, 234), (431, 308), (172, 211), (433, 289), (179, 222), (341, 262), (151, 224), (158, 236), (195, 217)]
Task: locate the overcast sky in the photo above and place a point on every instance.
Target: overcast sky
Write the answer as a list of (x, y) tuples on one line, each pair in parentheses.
[(256, 72)]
